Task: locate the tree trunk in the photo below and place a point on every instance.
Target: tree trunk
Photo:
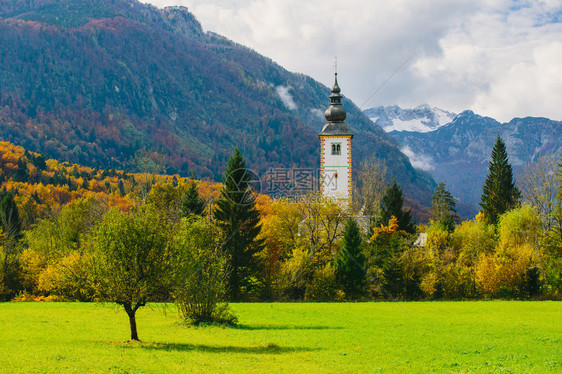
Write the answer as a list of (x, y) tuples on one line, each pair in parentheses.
[(234, 281), (132, 322)]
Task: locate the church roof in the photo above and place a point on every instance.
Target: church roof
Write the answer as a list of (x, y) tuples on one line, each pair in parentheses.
[(335, 128), (335, 114)]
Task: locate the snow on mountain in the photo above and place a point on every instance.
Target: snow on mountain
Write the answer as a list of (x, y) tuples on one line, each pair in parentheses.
[(456, 148), (421, 119), (458, 152)]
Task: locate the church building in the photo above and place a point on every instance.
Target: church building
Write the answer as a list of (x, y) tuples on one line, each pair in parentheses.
[(335, 154)]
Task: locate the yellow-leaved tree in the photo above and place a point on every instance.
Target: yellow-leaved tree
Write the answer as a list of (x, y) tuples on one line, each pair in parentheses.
[(514, 269)]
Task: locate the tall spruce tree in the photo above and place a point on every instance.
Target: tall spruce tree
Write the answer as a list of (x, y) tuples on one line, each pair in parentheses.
[(499, 193), (392, 205), (559, 179), (350, 262), (9, 217), (443, 208), (236, 214), (11, 227), (558, 208)]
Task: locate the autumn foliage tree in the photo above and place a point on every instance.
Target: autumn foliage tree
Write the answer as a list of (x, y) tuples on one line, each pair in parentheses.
[(60, 245), (512, 270)]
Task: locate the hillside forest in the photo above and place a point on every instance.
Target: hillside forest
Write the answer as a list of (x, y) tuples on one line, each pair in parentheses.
[(59, 220)]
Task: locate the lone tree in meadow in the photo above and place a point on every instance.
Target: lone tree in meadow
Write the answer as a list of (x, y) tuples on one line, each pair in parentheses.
[(499, 193), (237, 216), (350, 262), (443, 208), (392, 205), (133, 262)]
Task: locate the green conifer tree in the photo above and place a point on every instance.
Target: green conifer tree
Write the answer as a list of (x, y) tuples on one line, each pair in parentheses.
[(350, 262), (9, 218), (239, 219), (443, 208), (11, 227), (499, 193), (121, 188), (559, 179), (392, 205), (558, 209), (192, 203)]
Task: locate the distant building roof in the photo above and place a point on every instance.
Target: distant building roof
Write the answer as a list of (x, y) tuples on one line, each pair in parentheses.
[(421, 241)]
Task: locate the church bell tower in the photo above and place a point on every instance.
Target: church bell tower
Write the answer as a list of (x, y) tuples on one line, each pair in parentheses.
[(335, 151)]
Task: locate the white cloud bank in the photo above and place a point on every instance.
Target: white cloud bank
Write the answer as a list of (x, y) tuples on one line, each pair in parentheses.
[(501, 58), (286, 97), (422, 162)]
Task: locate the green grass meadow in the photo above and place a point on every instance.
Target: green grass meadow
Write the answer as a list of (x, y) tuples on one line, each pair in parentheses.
[(453, 337)]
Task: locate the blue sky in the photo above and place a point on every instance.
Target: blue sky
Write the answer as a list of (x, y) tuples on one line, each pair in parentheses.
[(501, 58)]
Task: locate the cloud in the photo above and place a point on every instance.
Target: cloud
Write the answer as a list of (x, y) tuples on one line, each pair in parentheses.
[(529, 88), (286, 97), (421, 162), (492, 56), (318, 113), (502, 62)]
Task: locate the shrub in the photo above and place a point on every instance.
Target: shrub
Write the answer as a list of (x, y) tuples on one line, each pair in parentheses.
[(200, 295), (429, 283), (324, 286), (68, 277), (25, 297), (31, 266), (296, 274)]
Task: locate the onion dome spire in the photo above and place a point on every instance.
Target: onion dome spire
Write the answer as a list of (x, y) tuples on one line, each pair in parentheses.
[(335, 114)]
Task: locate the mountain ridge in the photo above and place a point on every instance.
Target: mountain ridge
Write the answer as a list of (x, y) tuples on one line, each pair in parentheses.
[(459, 151)]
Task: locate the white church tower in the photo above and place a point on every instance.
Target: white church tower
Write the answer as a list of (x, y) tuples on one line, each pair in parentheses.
[(335, 156)]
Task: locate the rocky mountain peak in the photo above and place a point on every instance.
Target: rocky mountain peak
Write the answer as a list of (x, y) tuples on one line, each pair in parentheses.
[(422, 118)]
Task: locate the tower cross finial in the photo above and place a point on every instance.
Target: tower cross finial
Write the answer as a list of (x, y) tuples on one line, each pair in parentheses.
[(336, 65)]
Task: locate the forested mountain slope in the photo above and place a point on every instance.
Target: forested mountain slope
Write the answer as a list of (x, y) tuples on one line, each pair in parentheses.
[(95, 82)]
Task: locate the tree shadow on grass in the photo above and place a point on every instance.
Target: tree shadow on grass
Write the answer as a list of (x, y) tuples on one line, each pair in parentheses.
[(266, 349), (283, 327)]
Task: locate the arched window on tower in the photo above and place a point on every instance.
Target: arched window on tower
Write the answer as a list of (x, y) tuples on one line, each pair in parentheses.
[(336, 149)]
